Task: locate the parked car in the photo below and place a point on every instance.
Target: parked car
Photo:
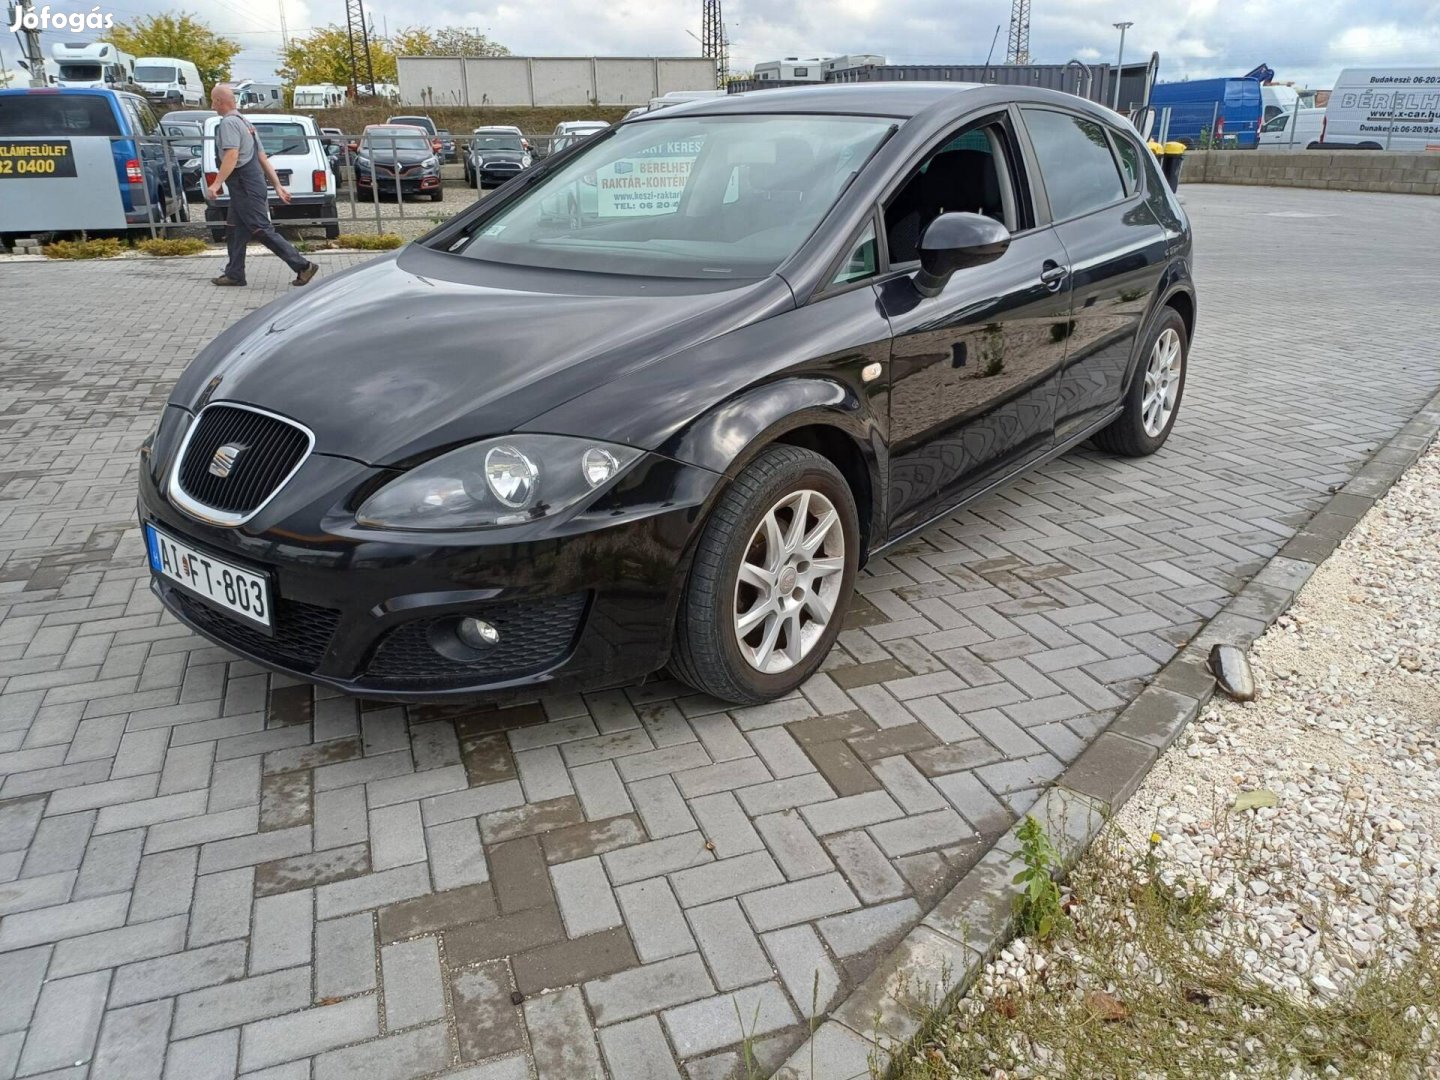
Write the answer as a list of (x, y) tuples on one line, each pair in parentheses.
[(494, 156), (293, 144), (447, 145), (150, 181), (187, 144), (399, 160), (425, 124), (1297, 130), (518, 455), (336, 149), (566, 131)]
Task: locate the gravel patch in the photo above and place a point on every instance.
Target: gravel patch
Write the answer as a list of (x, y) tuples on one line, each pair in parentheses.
[(1313, 909)]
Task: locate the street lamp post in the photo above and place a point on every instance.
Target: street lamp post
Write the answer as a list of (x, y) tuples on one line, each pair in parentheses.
[(1120, 60)]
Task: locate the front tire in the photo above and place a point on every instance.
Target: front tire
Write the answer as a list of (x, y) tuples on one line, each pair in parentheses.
[(771, 580), (1153, 401)]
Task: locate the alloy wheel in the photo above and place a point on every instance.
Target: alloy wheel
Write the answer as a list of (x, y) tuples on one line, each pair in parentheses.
[(1162, 383), (789, 581)]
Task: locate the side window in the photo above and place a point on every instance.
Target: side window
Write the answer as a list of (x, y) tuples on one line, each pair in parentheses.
[(1076, 164), (1129, 155), (1277, 123), (969, 171), (862, 261)]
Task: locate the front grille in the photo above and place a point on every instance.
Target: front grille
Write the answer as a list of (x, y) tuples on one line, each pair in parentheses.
[(302, 631), (269, 449), (534, 635)]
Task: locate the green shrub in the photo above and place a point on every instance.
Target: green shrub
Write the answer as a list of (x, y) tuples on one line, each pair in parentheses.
[(105, 248), (368, 242), (161, 246)]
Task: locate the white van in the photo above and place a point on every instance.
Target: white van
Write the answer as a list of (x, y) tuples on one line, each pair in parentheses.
[(293, 144), (1277, 98), (166, 78), (1295, 130), (1384, 109)]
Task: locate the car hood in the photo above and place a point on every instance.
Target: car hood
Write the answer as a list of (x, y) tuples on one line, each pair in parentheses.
[(421, 350), (386, 156), (500, 155)]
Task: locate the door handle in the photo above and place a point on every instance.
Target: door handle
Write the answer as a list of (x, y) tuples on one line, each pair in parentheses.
[(1052, 274)]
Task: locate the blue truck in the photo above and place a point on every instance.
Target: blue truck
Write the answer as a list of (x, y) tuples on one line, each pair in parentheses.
[(1227, 111)]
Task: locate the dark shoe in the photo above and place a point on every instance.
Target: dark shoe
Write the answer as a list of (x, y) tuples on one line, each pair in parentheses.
[(223, 280), (304, 276)]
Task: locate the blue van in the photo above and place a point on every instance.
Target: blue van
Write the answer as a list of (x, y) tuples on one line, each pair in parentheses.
[(150, 185), (1234, 106)]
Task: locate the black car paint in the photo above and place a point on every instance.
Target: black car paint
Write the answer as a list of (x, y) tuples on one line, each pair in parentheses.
[(721, 370)]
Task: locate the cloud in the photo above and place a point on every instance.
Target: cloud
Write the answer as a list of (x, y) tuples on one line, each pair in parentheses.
[(1304, 40)]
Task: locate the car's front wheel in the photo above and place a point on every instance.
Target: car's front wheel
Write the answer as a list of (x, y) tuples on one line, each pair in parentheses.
[(1153, 400), (771, 579)]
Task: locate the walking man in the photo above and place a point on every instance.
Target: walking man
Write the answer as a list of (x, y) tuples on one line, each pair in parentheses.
[(244, 167)]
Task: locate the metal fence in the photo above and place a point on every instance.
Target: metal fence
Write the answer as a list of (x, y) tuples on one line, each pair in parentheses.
[(163, 186)]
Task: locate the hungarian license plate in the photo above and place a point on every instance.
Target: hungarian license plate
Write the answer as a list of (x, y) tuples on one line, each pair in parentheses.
[(243, 593)]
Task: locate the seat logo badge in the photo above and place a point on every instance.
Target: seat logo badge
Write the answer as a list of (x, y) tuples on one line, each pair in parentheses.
[(223, 462)]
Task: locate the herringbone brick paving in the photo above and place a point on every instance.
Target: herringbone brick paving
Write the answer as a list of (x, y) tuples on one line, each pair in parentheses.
[(207, 871)]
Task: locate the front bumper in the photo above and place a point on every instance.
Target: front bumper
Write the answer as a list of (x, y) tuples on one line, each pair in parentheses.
[(409, 185), (581, 602)]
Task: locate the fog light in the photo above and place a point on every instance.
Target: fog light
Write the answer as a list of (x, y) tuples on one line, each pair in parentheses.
[(477, 633)]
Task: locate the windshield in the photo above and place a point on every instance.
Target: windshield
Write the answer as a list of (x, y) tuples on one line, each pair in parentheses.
[(414, 121), (309, 97), (283, 138), (55, 114), (80, 72), (383, 141), (697, 197), (145, 73), (498, 142)]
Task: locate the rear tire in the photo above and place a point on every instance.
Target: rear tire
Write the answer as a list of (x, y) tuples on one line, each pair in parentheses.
[(754, 632), (1152, 402)]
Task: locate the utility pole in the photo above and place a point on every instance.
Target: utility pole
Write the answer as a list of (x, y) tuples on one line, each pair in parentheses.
[(712, 40), (284, 30), (1120, 60), (359, 35), (30, 40)]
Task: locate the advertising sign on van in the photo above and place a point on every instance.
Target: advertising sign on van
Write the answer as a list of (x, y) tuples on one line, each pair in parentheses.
[(1389, 108), (30, 158)]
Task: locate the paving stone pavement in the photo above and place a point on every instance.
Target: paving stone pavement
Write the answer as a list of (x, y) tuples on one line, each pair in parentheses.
[(208, 871)]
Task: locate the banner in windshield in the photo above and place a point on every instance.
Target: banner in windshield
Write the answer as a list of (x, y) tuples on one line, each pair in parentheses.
[(651, 182), (36, 158)]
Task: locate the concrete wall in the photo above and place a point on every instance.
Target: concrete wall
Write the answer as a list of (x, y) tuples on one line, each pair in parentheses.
[(549, 80), (1345, 170)]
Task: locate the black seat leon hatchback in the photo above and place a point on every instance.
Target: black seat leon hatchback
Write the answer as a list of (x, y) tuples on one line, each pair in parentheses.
[(656, 401)]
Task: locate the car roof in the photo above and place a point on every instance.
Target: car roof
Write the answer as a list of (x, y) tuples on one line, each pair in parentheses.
[(396, 129), (898, 99)]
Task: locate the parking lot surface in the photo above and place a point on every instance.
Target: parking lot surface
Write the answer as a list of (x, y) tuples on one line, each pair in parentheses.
[(206, 870)]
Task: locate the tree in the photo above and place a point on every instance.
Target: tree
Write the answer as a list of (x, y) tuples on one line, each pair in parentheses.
[(323, 56), (181, 35), (446, 41)]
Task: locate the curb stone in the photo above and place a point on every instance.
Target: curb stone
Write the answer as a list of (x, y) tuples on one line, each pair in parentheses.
[(939, 958)]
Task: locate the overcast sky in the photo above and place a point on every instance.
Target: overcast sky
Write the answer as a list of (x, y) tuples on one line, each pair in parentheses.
[(1308, 41)]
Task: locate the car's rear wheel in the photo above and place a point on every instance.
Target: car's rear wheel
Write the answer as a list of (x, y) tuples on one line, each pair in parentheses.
[(1153, 401), (771, 579)]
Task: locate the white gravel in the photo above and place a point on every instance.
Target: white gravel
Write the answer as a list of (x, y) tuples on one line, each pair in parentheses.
[(1345, 731)]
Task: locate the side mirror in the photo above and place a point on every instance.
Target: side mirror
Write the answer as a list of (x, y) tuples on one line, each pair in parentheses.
[(954, 242)]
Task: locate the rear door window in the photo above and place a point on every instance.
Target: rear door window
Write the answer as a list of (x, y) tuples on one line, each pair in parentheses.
[(1076, 164), (27, 115)]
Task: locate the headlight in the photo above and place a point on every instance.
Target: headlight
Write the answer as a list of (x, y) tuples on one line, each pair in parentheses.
[(429, 163), (525, 162), (193, 163), (502, 481), (362, 162)]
